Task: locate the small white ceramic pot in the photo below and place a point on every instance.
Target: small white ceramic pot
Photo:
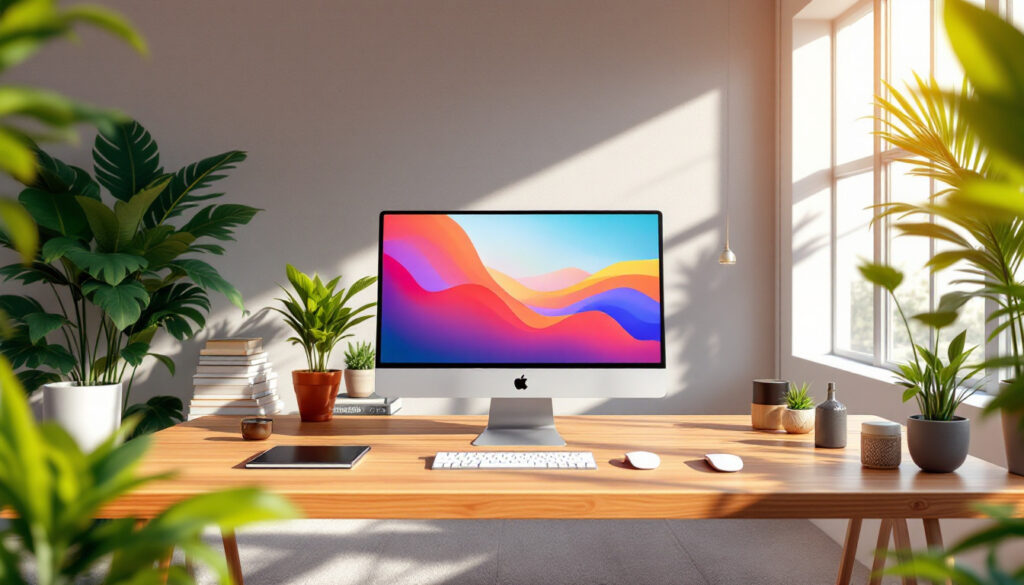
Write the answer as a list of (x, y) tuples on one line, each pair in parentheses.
[(359, 383), (798, 422), (89, 414)]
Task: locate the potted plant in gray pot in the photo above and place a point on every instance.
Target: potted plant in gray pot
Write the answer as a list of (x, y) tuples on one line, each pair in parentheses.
[(119, 274), (937, 438), (321, 318), (359, 360)]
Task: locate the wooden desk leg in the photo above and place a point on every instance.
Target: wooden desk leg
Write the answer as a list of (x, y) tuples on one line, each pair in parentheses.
[(849, 552), (881, 552), (165, 566), (901, 534), (231, 555), (933, 536)]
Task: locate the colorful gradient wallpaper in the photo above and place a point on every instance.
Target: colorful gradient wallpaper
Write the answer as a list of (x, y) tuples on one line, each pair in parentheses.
[(559, 288)]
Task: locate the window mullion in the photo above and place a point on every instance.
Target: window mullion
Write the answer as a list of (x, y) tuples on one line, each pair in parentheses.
[(881, 310)]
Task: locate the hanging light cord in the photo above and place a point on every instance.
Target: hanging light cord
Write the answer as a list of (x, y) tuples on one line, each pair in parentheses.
[(727, 256)]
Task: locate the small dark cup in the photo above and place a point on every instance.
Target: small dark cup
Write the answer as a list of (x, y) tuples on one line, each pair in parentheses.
[(257, 429)]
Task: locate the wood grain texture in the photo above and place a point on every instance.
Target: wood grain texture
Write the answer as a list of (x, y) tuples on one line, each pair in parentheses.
[(904, 549), (784, 475)]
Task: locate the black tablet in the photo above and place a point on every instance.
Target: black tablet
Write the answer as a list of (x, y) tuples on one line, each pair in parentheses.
[(308, 457)]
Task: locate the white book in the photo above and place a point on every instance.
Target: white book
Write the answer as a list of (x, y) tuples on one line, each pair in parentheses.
[(236, 389), (221, 402), (227, 360), (225, 395), (232, 370), (272, 408), (215, 380)]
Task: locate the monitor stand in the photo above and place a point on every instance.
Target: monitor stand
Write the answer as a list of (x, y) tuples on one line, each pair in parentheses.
[(520, 421)]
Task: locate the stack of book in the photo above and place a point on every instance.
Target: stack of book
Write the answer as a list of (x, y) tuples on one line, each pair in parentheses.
[(373, 404), (235, 378)]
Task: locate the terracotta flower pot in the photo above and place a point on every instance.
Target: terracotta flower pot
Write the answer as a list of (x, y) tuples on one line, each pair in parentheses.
[(798, 422), (315, 393)]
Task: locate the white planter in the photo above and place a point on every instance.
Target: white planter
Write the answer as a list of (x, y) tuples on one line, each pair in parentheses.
[(359, 383), (89, 414), (798, 422)]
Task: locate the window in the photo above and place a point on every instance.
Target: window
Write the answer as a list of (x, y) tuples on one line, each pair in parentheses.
[(875, 41)]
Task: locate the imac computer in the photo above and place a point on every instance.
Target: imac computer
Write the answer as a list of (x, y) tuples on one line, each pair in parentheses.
[(520, 307)]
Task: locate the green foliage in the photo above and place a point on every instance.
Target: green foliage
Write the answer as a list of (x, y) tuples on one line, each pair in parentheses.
[(360, 356), (939, 387), (55, 491), (797, 398), (936, 566), (319, 315), (973, 142), (117, 277), (25, 27)]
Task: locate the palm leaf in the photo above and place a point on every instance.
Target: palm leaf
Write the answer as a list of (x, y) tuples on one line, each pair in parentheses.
[(126, 160), (182, 192)]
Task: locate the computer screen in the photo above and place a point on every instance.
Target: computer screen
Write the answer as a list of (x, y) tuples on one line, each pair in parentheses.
[(509, 289)]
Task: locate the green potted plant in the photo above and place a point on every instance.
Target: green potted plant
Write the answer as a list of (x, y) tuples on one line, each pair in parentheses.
[(320, 316), (118, 274), (359, 361), (964, 142), (798, 418), (54, 490), (937, 438)]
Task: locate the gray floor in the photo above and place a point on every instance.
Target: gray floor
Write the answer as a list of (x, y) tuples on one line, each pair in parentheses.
[(541, 552)]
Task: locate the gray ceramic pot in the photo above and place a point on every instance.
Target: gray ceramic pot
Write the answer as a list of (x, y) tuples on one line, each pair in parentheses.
[(1013, 435), (938, 446)]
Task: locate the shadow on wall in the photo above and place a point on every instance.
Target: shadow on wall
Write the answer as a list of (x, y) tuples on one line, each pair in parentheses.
[(347, 108)]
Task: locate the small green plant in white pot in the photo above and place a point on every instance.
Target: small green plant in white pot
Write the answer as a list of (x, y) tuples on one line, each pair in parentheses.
[(359, 370), (799, 415)]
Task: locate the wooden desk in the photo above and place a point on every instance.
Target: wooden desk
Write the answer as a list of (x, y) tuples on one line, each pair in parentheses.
[(784, 475)]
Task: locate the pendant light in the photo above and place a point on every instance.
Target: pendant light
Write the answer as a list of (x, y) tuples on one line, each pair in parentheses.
[(727, 257)]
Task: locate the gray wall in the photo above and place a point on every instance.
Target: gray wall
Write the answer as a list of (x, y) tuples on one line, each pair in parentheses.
[(347, 108)]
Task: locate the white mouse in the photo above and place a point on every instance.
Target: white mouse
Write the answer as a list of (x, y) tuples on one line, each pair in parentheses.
[(724, 462), (643, 459)]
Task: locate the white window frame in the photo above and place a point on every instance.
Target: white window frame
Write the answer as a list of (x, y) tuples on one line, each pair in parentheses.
[(878, 163)]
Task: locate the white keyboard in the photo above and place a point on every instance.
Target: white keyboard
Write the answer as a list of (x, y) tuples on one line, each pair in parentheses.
[(514, 460)]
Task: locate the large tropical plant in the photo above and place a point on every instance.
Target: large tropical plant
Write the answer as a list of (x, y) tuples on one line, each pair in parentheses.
[(319, 314), (25, 27), (992, 54), (55, 491), (118, 273)]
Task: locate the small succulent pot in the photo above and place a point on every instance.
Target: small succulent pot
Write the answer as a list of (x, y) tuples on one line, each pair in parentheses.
[(798, 422), (315, 392), (938, 446), (359, 383)]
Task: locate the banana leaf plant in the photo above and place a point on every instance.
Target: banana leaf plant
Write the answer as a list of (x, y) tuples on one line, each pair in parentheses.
[(120, 273), (54, 491)]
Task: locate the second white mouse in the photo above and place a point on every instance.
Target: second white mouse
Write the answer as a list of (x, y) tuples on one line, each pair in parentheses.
[(724, 462), (643, 459)]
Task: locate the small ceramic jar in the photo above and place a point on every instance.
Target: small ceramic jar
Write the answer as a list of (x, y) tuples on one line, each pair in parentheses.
[(257, 429), (880, 445)]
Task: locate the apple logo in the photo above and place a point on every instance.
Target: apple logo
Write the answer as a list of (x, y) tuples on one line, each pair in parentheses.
[(520, 382)]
